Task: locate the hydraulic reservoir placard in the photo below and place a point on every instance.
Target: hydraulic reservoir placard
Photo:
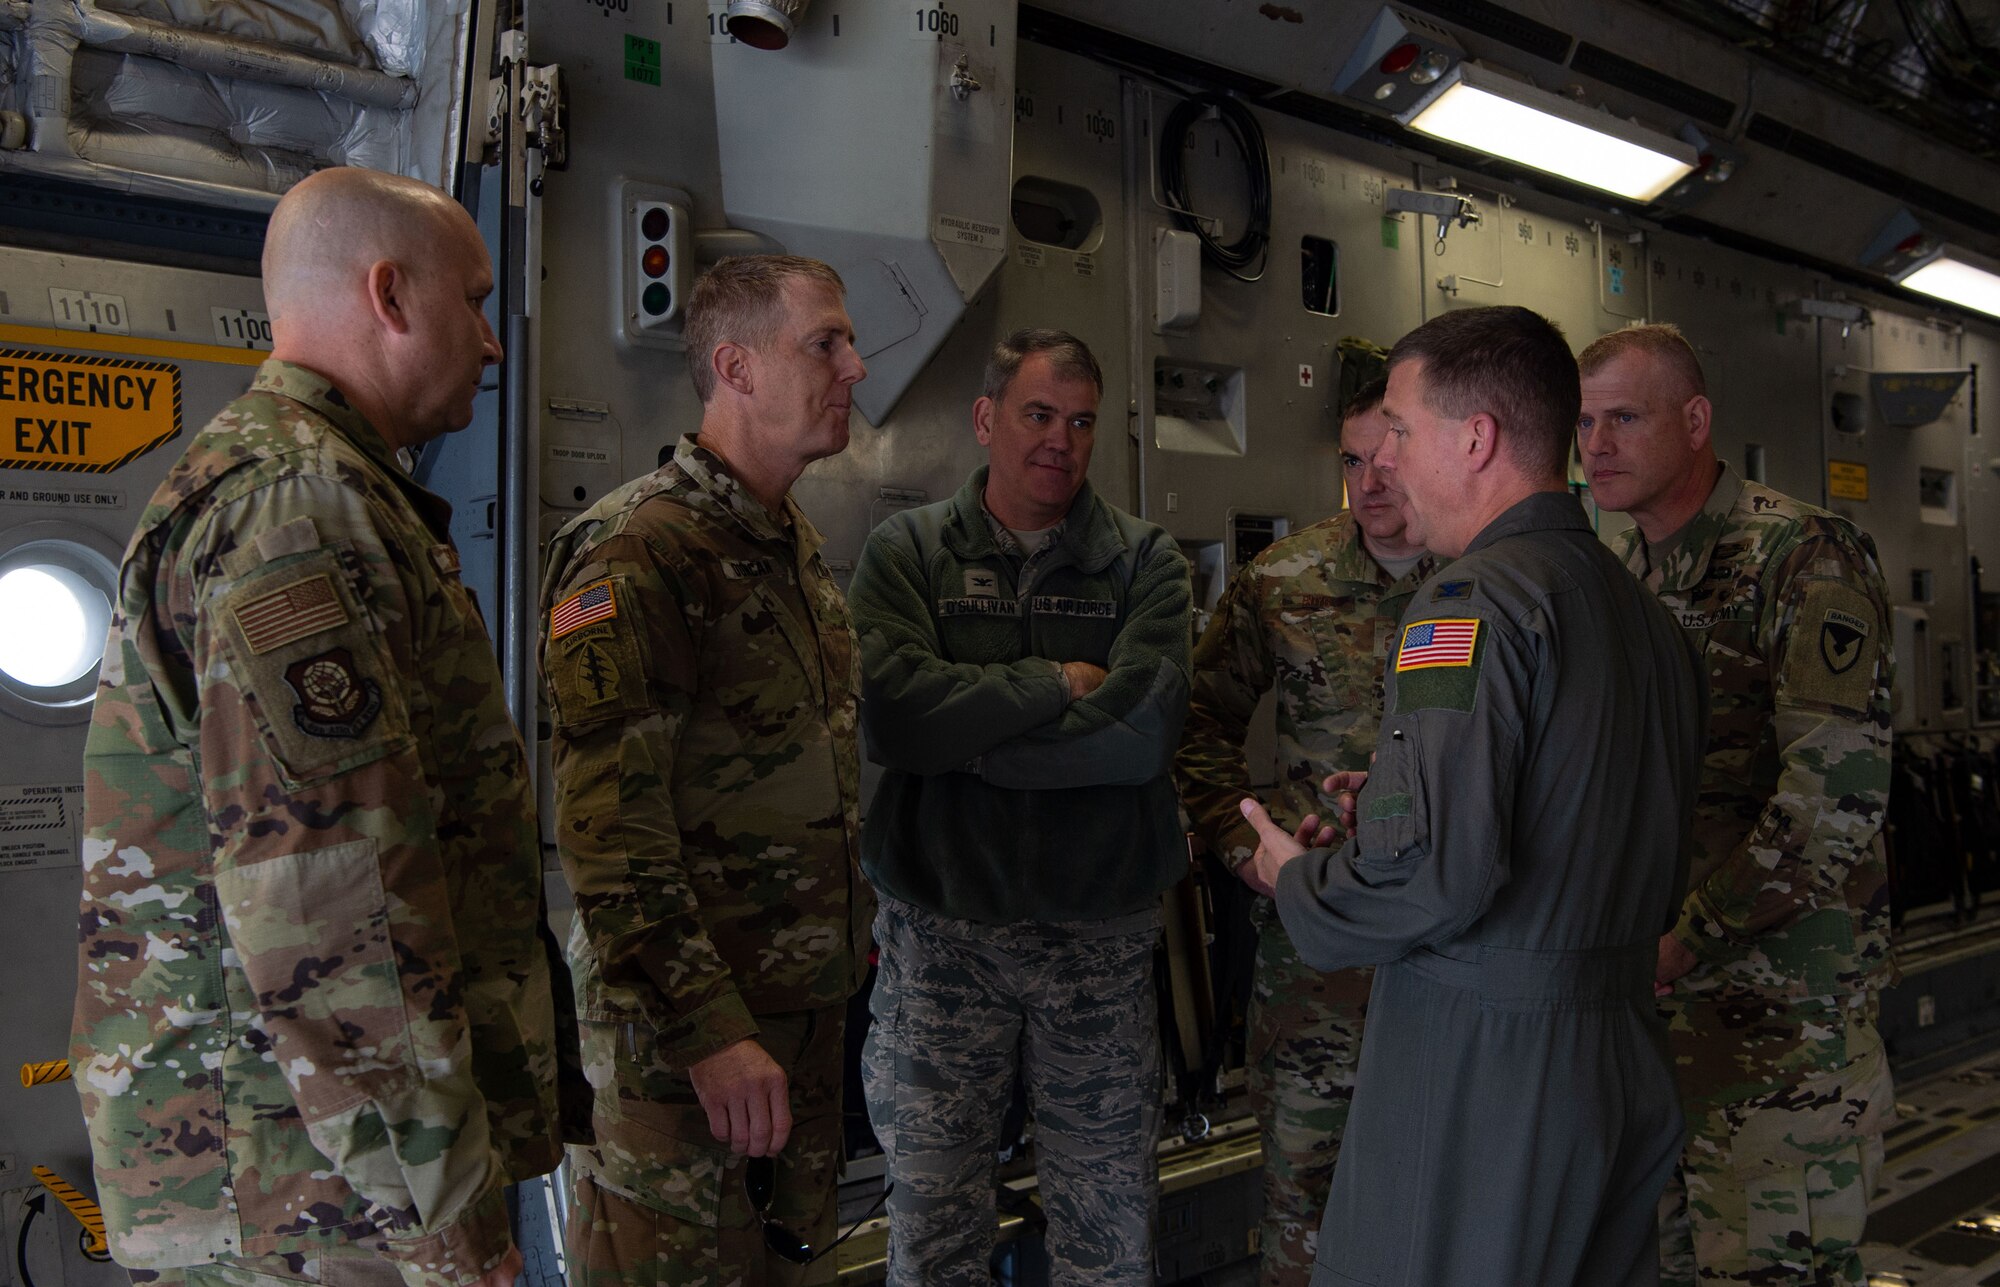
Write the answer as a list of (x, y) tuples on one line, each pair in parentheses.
[(78, 412)]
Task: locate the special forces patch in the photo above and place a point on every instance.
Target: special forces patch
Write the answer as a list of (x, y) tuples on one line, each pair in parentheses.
[(597, 674), (334, 698)]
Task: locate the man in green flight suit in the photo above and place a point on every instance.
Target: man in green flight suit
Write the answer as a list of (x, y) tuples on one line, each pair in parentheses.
[(702, 681), (1772, 973), (314, 1034), (1521, 843), (1311, 617)]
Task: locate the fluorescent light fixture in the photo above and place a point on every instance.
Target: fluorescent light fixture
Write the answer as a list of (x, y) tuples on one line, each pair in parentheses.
[(1958, 282), (1479, 108)]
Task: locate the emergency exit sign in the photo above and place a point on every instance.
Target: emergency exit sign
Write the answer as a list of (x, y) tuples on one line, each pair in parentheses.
[(71, 412)]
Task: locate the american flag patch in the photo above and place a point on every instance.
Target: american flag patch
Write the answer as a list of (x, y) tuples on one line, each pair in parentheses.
[(1437, 643), (592, 603), (290, 612)]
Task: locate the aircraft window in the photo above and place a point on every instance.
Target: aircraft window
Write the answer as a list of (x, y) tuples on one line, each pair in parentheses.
[(1057, 214), (55, 609), (44, 627)]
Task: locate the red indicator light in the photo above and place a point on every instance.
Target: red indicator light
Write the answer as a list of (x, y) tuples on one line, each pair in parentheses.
[(654, 262), (1401, 58), (654, 223)]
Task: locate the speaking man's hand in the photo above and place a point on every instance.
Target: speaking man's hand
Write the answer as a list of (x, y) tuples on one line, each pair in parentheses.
[(1276, 846)]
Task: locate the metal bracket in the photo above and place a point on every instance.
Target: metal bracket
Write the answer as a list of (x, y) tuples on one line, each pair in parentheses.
[(963, 82), (541, 102), (545, 111), (1447, 208)]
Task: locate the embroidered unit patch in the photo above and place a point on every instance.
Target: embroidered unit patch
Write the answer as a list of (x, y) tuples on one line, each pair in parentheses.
[(335, 699)]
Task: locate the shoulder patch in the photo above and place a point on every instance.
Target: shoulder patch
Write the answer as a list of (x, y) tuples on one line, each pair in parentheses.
[(1447, 590), (1448, 641), (1835, 642), (290, 613), (594, 667), (595, 602), (334, 698), (1437, 666)]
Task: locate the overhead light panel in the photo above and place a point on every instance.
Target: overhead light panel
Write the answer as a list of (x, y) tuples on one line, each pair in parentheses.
[(1957, 282), (1919, 260), (1478, 108)]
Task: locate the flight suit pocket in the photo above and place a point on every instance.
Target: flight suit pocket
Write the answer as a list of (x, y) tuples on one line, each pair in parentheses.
[(309, 663), (1393, 812)]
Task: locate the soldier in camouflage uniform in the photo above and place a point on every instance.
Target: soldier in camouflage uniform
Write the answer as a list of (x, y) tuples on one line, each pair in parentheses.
[(313, 1032), (1311, 616), (1025, 651), (701, 681), (1772, 974)]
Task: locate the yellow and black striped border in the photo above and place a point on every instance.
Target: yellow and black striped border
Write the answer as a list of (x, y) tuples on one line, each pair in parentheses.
[(169, 369)]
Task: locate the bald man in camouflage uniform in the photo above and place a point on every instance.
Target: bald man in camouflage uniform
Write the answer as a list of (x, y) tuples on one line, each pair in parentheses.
[(1776, 965), (1311, 616), (701, 679), (314, 1036)]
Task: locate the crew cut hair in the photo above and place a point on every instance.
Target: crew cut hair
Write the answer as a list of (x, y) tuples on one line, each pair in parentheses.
[(1069, 355), (1366, 398), (741, 301), (1662, 340), (1509, 362)]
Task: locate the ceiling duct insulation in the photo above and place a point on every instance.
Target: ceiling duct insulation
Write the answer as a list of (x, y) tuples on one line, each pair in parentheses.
[(879, 139), (230, 102)]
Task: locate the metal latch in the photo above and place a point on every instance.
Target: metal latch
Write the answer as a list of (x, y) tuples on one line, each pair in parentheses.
[(963, 82), (1447, 208), (541, 103)]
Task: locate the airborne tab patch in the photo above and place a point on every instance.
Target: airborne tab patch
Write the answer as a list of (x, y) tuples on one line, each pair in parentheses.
[(593, 603), (1430, 644)]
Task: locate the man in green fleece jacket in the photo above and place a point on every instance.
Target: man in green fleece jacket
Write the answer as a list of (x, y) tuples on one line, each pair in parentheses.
[(1024, 675)]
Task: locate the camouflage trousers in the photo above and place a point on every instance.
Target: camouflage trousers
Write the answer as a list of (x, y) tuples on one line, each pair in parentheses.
[(960, 1011), (337, 1264), (1305, 1044), (657, 1202), (1786, 1101)]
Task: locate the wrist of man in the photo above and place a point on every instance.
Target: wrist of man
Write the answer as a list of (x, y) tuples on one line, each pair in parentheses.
[(458, 1254)]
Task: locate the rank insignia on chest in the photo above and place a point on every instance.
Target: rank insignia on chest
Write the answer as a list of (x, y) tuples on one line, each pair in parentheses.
[(335, 699), (1428, 645), (593, 603), (982, 584)]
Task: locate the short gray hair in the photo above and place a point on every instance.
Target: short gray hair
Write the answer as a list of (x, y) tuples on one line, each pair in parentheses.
[(740, 301), (1069, 355)]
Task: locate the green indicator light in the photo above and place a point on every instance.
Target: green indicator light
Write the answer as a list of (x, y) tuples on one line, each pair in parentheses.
[(655, 299)]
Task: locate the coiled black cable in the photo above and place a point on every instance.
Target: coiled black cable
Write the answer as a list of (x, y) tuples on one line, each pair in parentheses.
[(1236, 257)]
